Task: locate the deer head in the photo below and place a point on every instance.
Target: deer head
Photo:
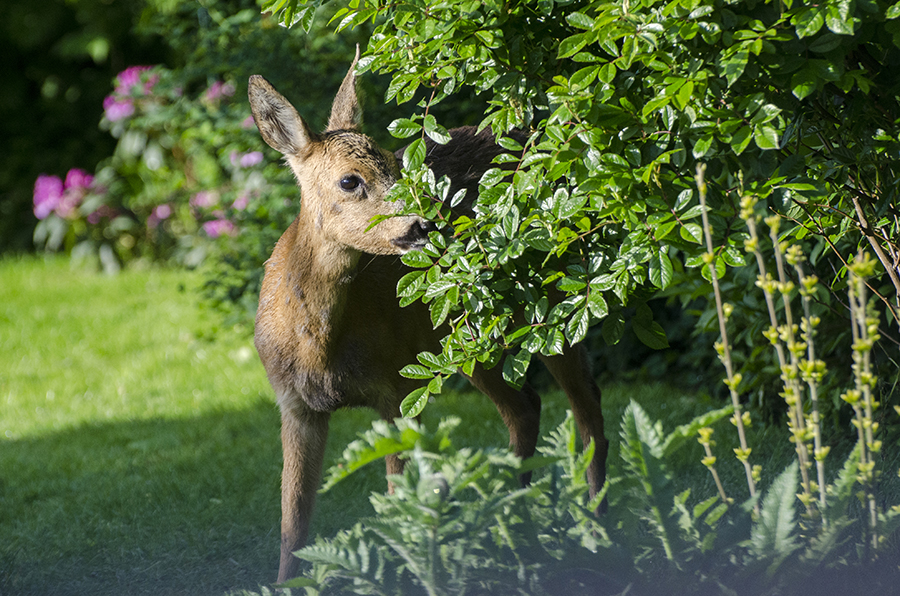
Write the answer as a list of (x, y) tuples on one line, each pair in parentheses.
[(343, 174)]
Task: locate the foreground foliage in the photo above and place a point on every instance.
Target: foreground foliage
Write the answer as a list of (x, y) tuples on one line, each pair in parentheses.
[(458, 523)]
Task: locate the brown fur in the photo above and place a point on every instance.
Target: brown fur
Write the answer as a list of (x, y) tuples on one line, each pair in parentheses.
[(330, 331)]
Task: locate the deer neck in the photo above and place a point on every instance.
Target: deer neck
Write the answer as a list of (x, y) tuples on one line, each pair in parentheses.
[(321, 274)]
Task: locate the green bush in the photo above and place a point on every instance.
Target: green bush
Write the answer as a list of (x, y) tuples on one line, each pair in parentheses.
[(783, 99)]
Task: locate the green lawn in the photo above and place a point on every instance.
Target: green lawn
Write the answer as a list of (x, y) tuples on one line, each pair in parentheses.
[(138, 458)]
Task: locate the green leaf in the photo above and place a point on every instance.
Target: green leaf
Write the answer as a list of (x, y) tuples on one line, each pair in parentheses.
[(825, 43), (702, 146), (515, 367), (838, 19), (417, 259), (413, 404), (804, 82), (571, 45), (808, 21), (893, 12), (416, 371), (509, 144), (660, 270), (410, 282), (414, 155), (580, 20), (766, 137), (686, 433), (437, 132), (641, 452), (571, 284), (733, 66), (613, 329), (440, 308), (692, 233), (403, 128), (597, 304), (772, 536), (647, 330), (577, 327)]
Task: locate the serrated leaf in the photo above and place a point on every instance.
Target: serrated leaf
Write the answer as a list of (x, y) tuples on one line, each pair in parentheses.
[(414, 155), (413, 404), (492, 177), (417, 259), (580, 20), (509, 144), (416, 371), (440, 308), (772, 536), (577, 327), (409, 283), (435, 131), (571, 45), (692, 233), (403, 128), (660, 270)]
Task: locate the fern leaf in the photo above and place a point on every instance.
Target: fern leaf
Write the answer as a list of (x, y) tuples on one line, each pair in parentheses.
[(641, 450), (772, 536), (688, 432)]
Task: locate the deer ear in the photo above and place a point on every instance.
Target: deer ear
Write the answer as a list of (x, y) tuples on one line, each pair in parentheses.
[(279, 123), (345, 111)]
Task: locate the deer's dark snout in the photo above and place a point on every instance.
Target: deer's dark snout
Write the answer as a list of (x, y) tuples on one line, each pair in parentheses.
[(416, 235)]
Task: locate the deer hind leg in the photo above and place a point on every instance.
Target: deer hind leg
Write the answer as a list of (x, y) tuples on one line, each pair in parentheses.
[(303, 436), (394, 463), (572, 371), (520, 410)]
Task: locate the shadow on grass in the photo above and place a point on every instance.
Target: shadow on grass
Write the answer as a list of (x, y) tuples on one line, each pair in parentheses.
[(182, 506), (192, 506)]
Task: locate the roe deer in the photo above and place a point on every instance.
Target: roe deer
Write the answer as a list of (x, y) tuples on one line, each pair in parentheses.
[(330, 330)]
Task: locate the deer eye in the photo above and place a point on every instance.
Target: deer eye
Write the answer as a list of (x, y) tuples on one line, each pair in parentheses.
[(350, 182)]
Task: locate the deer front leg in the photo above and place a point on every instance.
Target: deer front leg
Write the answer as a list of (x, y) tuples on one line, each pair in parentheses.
[(303, 436)]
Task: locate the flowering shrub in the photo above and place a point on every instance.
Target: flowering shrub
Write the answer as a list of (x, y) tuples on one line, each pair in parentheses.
[(183, 177)]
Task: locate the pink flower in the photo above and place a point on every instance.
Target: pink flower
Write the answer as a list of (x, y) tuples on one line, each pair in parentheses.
[(218, 227), (48, 191), (78, 178), (68, 205), (248, 160), (162, 211), (130, 78), (116, 109), (204, 199), (159, 213), (217, 90), (248, 122), (241, 202)]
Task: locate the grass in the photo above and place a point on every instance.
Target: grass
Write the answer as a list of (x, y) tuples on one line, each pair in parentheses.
[(137, 457)]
